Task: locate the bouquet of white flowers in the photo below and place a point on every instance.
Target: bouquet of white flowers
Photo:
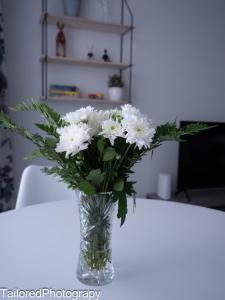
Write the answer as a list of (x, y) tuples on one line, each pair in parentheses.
[(94, 150)]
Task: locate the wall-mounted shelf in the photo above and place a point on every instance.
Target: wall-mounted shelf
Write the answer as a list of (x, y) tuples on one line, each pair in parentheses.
[(120, 29), (81, 99), (84, 63), (87, 24)]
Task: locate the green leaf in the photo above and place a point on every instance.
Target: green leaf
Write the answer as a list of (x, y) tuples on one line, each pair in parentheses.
[(101, 145), (49, 149), (129, 188), (109, 154), (35, 154), (87, 187), (51, 170), (51, 142), (51, 130), (118, 185), (194, 128), (42, 108), (96, 177), (170, 132), (122, 207), (7, 123)]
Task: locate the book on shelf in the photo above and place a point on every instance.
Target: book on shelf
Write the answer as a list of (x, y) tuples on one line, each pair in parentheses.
[(61, 87), (63, 93)]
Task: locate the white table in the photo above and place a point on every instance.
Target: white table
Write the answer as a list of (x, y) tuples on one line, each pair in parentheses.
[(165, 251)]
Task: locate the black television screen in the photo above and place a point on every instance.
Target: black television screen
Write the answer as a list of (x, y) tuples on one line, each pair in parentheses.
[(201, 163)]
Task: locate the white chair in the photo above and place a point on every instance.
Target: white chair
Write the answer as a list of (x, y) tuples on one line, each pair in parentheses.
[(37, 187)]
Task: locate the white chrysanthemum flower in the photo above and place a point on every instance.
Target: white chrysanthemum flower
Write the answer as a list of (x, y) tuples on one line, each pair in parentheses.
[(112, 129), (139, 131), (73, 139), (95, 121), (89, 116), (80, 115), (115, 114), (129, 111)]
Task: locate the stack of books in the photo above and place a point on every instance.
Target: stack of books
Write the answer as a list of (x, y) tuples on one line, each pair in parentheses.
[(63, 90)]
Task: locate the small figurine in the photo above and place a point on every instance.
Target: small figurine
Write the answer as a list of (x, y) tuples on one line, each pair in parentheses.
[(105, 56), (90, 53), (97, 96), (60, 41)]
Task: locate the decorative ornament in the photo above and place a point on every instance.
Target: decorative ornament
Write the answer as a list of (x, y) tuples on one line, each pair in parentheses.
[(105, 56), (90, 54), (60, 41)]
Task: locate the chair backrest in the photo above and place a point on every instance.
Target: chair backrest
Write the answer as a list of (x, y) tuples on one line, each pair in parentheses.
[(36, 187)]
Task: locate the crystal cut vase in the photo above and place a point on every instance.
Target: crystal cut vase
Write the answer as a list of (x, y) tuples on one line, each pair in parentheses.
[(95, 260)]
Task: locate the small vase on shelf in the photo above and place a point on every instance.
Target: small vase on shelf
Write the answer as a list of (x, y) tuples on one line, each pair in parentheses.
[(106, 16), (116, 94), (116, 90), (71, 7)]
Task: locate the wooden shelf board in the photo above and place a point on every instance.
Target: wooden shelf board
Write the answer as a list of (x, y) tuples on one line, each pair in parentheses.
[(81, 99), (84, 63), (82, 23)]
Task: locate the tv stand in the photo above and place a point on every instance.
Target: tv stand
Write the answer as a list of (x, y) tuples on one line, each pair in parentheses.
[(211, 198), (186, 193)]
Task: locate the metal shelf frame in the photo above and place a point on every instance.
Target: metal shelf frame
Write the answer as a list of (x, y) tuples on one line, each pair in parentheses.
[(47, 19)]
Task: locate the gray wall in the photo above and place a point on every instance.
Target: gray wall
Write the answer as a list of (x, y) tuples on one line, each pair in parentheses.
[(179, 67)]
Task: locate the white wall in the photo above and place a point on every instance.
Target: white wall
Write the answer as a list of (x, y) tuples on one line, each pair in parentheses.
[(179, 67)]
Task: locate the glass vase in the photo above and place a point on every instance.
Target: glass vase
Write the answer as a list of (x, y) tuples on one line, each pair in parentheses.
[(106, 15), (95, 260)]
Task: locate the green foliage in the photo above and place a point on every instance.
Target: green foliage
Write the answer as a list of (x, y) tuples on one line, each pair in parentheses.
[(101, 145), (122, 207), (118, 185), (87, 187), (115, 81), (193, 128), (109, 154), (49, 129), (43, 109), (96, 177), (170, 132), (34, 154), (7, 123), (96, 211), (100, 168)]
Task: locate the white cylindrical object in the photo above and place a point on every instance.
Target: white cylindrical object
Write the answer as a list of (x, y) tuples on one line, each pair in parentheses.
[(116, 93), (164, 186)]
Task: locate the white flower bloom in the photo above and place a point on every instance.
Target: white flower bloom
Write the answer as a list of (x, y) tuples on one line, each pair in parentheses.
[(139, 131), (128, 123), (73, 139), (112, 129), (89, 116), (115, 115), (128, 111), (95, 121), (80, 115)]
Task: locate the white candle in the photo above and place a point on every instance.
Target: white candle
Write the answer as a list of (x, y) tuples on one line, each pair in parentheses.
[(164, 186)]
